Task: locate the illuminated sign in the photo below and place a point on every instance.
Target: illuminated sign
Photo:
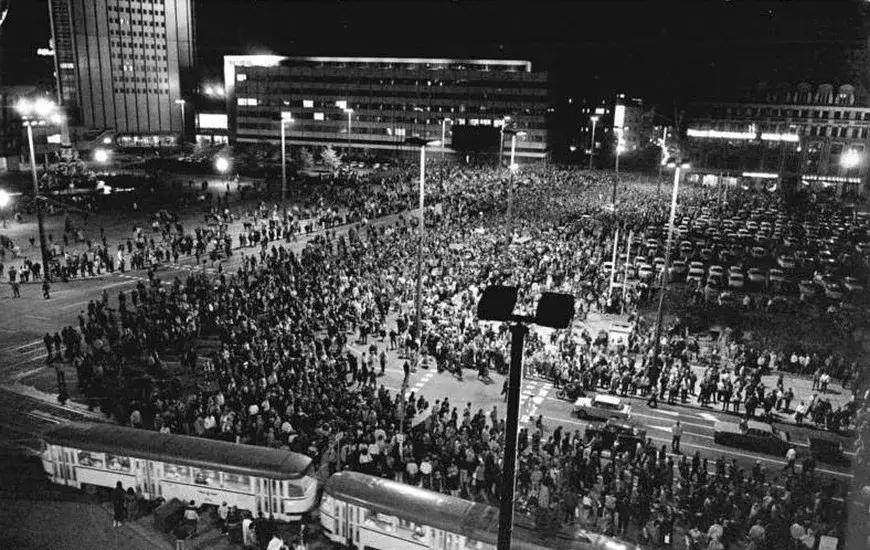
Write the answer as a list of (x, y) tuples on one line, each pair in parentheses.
[(619, 116), (214, 121), (726, 134), (793, 138), (760, 175)]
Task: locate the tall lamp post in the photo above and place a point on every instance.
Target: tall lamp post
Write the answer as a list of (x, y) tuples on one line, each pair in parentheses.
[(444, 136), (286, 118), (504, 122), (594, 119), (619, 148), (38, 113), (849, 160), (658, 326), (513, 169), (180, 103), (349, 113), (554, 311)]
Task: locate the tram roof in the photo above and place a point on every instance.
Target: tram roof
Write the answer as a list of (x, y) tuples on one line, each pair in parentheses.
[(181, 449), (474, 520)]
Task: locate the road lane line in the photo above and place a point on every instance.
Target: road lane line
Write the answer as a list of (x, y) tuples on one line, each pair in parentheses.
[(708, 416), (642, 415), (667, 429), (16, 348)]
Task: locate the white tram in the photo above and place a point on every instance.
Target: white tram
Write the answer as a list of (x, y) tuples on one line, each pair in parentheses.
[(167, 466), (372, 513)]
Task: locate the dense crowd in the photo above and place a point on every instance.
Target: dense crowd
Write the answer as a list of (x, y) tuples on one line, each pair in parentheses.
[(283, 374)]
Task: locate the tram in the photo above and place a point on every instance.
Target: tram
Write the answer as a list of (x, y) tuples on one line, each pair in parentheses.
[(166, 466), (363, 511)]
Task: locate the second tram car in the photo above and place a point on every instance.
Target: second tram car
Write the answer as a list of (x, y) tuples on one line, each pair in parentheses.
[(167, 466), (369, 512)]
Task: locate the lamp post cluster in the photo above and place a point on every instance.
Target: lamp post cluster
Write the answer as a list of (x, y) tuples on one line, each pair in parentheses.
[(39, 112)]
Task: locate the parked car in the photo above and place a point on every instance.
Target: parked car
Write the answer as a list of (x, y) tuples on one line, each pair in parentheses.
[(834, 290), (776, 276), (807, 288), (852, 284), (735, 281), (677, 270), (602, 406), (717, 270), (786, 261), (757, 436), (756, 276), (617, 435), (645, 271)]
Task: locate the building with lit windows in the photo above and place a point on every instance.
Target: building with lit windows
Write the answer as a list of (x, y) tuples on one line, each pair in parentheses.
[(120, 66), (376, 103), (815, 135), (617, 119)]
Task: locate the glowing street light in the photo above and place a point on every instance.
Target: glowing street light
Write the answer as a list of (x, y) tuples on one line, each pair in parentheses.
[(39, 112), (594, 119), (101, 155), (850, 159), (222, 164), (513, 169), (444, 135), (286, 118), (5, 198)]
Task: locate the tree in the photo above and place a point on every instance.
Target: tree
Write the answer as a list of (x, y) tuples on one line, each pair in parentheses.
[(330, 158), (303, 158)]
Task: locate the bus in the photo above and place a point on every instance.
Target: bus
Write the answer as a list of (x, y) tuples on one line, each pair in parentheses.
[(372, 513), (167, 466)]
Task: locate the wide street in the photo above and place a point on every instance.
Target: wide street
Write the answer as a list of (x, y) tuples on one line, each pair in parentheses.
[(24, 321)]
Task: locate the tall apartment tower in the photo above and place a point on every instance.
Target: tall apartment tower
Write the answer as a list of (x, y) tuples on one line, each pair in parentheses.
[(122, 65)]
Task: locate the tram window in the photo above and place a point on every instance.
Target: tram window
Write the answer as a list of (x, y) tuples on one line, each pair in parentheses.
[(92, 460), (206, 477), (293, 490), (119, 463), (238, 482), (171, 471)]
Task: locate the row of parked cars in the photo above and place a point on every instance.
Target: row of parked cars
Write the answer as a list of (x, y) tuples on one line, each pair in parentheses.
[(761, 250)]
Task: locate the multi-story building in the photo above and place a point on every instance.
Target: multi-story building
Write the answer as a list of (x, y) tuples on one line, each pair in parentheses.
[(376, 103), (120, 65), (811, 134), (617, 120)]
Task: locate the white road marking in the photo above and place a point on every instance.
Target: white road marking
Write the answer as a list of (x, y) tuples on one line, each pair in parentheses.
[(642, 415), (45, 416), (667, 429), (38, 318), (708, 416), (28, 345)]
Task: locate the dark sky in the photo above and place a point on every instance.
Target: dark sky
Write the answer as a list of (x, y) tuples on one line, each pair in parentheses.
[(655, 49)]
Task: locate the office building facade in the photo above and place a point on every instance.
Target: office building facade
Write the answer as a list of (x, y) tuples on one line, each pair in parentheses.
[(816, 135), (121, 64), (377, 103)]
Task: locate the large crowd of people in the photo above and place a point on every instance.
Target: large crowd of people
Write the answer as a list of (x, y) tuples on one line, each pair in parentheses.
[(283, 374)]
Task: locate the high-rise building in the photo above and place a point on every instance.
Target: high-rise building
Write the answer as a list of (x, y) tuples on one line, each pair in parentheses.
[(121, 65), (376, 102)]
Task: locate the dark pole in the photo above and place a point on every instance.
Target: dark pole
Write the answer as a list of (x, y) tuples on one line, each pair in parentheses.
[(43, 246), (506, 509)]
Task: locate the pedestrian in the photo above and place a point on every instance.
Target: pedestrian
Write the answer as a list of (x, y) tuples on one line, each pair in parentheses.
[(790, 459), (223, 512), (45, 289), (676, 434), (16, 289), (118, 504), (191, 517)]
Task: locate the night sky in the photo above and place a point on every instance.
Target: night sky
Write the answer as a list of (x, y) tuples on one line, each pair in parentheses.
[(663, 51)]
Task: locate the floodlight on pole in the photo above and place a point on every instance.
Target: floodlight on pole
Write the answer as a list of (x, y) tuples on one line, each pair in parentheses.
[(349, 113), (222, 164), (554, 311), (513, 169), (594, 119), (444, 135), (286, 118), (101, 155), (181, 103), (38, 112), (421, 143)]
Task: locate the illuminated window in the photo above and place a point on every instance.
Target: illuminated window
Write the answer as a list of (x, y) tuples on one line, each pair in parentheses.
[(92, 460), (318, 116), (237, 481), (120, 463), (241, 77), (206, 477), (247, 101), (308, 103), (171, 471)]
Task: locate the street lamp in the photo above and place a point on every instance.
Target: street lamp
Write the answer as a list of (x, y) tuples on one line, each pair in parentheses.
[(504, 122), (553, 311), (658, 326), (38, 113), (181, 102), (222, 164), (349, 112), (286, 118), (101, 155), (513, 169), (594, 119), (619, 149), (444, 135)]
